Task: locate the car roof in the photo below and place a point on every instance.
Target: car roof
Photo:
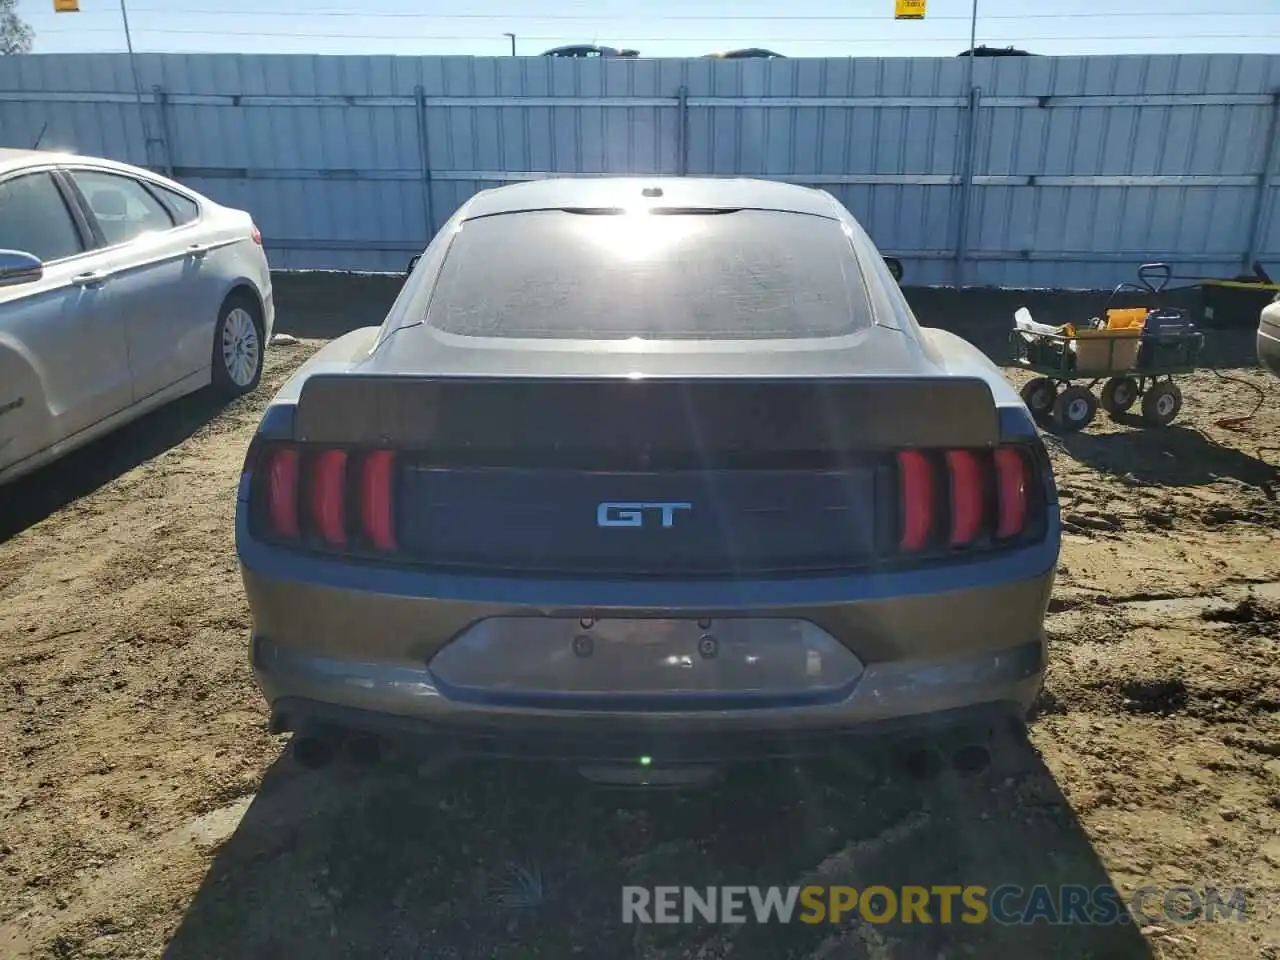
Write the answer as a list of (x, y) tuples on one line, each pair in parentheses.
[(575, 49), (746, 53), (14, 159), (710, 193), (11, 159)]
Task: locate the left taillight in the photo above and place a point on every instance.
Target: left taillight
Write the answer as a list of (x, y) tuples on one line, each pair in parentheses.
[(255, 234), (282, 492), (330, 498)]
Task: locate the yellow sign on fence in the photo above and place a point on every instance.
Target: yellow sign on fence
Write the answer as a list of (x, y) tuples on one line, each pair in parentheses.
[(66, 6), (908, 9)]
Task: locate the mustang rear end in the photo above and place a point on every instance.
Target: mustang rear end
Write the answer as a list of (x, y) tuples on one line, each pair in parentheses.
[(600, 552)]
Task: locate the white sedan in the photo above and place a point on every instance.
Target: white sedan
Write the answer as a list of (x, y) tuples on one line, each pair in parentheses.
[(120, 291), (1269, 337)]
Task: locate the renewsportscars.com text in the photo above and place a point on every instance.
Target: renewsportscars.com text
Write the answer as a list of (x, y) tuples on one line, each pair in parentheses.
[(1006, 904)]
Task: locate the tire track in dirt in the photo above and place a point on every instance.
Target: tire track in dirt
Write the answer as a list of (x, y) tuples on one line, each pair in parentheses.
[(127, 699)]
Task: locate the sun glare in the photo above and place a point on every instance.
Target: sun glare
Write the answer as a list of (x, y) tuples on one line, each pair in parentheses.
[(639, 234)]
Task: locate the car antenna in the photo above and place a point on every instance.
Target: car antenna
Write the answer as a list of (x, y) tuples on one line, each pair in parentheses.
[(36, 145)]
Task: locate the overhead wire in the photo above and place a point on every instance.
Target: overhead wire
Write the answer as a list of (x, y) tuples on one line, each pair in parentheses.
[(598, 23), (776, 18), (632, 39)]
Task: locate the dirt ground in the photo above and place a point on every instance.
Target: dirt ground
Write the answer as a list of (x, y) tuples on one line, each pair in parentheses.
[(145, 809)]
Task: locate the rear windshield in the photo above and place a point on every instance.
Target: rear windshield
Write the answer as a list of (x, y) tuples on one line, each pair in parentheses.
[(745, 274)]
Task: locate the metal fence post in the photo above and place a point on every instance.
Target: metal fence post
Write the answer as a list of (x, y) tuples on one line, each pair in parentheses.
[(682, 131), (966, 185), (428, 212), (1265, 179), (166, 136)]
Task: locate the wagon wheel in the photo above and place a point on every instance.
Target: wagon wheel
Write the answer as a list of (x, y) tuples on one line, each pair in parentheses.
[(1074, 409), (1119, 394), (1038, 394), (1161, 404)]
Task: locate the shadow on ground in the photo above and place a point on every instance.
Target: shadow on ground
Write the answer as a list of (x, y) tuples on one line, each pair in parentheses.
[(506, 862), (35, 496), (1172, 456)]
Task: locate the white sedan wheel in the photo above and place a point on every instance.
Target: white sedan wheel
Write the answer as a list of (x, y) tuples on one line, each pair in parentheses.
[(241, 347)]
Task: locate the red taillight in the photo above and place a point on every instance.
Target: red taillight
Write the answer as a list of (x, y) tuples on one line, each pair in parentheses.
[(305, 496), (984, 496), (915, 489), (1012, 482), (376, 516), (965, 474), (255, 234), (328, 496), (282, 492)]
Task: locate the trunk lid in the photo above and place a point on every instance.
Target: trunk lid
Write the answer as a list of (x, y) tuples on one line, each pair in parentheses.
[(598, 418), (682, 523), (668, 477)]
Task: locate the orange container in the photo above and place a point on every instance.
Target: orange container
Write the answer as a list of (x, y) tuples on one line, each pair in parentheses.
[(1126, 318)]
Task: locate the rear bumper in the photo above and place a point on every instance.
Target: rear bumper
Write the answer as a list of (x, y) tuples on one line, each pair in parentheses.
[(308, 691), (350, 646), (573, 741)]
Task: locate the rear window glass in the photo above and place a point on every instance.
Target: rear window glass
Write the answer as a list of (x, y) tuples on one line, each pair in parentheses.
[(690, 276), (184, 209)]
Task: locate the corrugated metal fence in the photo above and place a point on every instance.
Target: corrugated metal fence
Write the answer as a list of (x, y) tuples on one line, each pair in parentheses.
[(1049, 172)]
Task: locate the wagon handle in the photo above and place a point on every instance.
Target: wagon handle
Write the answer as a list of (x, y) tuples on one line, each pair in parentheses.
[(1155, 276)]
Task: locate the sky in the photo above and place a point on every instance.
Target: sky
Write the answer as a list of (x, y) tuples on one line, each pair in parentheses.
[(667, 28)]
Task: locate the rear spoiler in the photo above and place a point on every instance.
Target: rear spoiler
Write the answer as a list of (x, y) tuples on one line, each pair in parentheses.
[(775, 415)]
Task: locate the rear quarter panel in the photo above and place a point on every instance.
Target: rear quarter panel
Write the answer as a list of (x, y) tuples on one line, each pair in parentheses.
[(958, 356), (342, 355), (236, 262), (277, 422)]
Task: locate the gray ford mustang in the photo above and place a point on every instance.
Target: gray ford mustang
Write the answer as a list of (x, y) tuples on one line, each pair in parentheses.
[(647, 476)]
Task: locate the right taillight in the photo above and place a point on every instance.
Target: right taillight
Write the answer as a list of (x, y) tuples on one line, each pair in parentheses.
[(377, 498), (328, 498), (955, 499), (1013, 491)]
